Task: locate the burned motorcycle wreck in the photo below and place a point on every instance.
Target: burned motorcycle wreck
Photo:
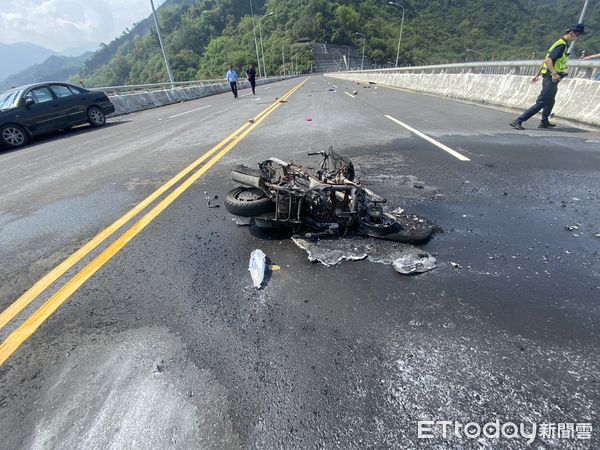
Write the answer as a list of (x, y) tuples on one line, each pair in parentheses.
[(319, 201)]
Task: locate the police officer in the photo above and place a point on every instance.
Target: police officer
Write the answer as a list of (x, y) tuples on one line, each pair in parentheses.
[(553, 70)]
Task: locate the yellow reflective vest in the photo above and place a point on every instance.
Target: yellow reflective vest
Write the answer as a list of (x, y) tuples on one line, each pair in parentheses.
[(561, 63)]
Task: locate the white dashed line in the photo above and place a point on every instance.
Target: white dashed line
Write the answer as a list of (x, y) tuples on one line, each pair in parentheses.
[(433, 141), (349, 94), (187, 112)]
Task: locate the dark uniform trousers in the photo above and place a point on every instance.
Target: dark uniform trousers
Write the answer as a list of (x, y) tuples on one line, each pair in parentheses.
[(545, 101)]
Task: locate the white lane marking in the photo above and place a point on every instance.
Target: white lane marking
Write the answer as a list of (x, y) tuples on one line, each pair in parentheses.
[(187, 112), (427, 138), (349, 94), (258, 98)]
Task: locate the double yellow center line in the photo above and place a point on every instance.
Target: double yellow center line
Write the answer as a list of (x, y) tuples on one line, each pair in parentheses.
[(33, 322)]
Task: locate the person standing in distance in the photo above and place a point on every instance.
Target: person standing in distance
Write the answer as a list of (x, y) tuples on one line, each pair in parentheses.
[(251, 76), (232, 77), (553, 70)]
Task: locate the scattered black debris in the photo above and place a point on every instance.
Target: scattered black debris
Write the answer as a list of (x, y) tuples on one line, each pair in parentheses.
[(210, 199), (418, 186)]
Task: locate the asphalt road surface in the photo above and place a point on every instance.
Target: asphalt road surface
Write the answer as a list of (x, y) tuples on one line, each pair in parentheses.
[(155, 337)]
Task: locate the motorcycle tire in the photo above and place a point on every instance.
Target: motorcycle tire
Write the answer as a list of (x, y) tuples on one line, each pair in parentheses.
[(248, 202), (394, 231)]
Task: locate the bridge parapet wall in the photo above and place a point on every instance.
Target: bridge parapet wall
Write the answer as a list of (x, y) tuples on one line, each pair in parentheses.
[(577, 99), (127, 102)]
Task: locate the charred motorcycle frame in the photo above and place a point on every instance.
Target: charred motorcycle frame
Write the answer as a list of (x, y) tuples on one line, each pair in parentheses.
[(328, 200)]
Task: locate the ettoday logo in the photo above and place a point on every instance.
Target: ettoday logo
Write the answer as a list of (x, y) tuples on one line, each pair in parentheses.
[(429, 429)]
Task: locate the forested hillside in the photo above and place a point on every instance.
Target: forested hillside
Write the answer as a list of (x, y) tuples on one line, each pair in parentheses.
[(55, 68), (202, 37)]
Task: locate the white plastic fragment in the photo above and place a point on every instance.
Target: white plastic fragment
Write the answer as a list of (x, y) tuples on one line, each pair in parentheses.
[(257, 267)]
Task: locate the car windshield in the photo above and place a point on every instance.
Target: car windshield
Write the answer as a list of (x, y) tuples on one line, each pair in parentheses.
[(8, 99)]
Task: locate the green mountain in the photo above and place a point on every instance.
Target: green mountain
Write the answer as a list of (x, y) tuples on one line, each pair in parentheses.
[(16, 57), (54, 68), (202, 37)]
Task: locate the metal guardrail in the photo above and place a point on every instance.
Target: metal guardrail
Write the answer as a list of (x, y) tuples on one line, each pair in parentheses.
[(137, 88), (577, 69)]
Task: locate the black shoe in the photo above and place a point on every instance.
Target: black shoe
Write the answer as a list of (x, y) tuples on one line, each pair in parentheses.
[(546, 125), (516, 125)]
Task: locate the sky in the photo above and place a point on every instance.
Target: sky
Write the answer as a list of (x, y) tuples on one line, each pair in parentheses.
[(64, 24)]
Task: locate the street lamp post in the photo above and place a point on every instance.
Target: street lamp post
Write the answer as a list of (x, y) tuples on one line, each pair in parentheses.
[(477, 53), (282, 59), (581, 19), (255, 41), (261, 42), (161, 44), (362, 62), (401, 26), (347, 57)]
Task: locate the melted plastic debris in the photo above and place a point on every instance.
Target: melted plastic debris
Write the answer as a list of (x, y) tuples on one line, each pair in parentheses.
[(332, 251), (242, 221), (415, 263), (257, 267)]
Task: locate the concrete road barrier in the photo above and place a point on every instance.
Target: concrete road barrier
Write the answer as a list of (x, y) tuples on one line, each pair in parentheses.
[(577, 99), (138, 101)]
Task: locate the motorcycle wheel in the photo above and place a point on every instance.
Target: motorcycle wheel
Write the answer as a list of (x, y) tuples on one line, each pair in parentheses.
[(248, 202), (394, 229)]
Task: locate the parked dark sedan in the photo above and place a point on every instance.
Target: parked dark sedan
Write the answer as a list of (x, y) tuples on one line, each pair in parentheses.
[(34, 109)]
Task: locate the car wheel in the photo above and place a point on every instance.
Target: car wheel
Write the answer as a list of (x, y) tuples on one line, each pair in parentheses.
[(96, 116), (13, 136)]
